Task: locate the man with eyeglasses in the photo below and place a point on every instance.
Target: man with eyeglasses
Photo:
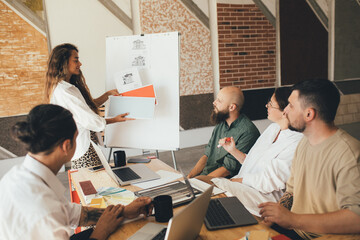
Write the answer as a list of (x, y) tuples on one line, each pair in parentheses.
[(323, 191), (230, 122)]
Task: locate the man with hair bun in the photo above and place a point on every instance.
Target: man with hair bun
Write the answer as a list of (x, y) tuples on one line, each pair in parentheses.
[(32, 199)]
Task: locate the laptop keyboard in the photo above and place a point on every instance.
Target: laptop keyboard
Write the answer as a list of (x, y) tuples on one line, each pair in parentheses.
[(126, 174), (216, 214), (160, 235)]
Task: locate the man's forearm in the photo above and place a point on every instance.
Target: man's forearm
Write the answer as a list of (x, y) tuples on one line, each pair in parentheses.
[(286, 200), (198, 167), (90, 216), (220, 172), (340, 222)]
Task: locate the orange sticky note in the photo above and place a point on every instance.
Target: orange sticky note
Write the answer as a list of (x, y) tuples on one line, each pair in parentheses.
[(98, 203)]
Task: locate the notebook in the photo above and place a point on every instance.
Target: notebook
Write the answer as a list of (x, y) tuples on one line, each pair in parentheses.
[(128, 174), (226, 213), (186, 224)]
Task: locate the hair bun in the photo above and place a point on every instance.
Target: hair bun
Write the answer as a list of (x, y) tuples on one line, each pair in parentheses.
[(46, 127), (22, 132)]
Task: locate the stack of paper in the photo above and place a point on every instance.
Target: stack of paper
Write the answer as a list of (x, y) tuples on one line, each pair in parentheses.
[(135, 99), (196, 183), (165, 177), (114, 195)]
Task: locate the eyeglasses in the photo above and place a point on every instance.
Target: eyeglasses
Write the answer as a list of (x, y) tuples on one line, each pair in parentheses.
[(269, 105)]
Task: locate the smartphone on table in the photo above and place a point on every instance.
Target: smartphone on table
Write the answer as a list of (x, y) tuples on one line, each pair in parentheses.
[(95, 169)]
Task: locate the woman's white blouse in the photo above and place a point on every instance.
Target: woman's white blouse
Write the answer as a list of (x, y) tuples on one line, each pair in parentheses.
[(267, 166), (69, 97)]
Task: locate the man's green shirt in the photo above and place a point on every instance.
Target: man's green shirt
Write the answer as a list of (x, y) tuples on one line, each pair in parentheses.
[(245, 135)]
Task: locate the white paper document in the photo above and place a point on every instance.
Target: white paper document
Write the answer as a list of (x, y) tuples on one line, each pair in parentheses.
[(165, 177), (139, 53), (115, 195), (196, 183), (137, 107), (127, 80)]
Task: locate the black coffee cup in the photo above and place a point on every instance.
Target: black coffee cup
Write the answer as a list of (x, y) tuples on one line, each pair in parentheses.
[(163, 208), (119, 158)]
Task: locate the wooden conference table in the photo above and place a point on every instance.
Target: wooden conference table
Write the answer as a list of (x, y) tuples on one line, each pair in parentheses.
[(101, 179)]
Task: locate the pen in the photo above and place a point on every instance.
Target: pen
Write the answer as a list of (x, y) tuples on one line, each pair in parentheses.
[(228, 139)]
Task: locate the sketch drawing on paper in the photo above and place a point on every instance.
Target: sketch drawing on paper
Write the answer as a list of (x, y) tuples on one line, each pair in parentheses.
[(138, 44), (128, 78), (138, 61)]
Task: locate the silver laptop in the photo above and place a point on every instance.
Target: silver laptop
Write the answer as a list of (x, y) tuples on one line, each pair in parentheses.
[(181, 193), (186, 224), (128, 174)]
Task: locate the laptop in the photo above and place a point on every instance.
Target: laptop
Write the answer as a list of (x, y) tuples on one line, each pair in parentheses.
[(226, 213), (128, 174), (186, 224), (181, 192)]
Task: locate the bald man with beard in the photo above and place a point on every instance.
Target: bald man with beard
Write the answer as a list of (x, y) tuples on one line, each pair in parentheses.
[(230, 122)]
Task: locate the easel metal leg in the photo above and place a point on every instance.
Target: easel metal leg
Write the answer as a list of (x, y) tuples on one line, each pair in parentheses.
[(109, 155), (157, 154), (174, 159)]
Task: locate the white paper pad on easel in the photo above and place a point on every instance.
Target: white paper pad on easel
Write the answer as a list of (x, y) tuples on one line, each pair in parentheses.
[(137, 107), (165, 177)]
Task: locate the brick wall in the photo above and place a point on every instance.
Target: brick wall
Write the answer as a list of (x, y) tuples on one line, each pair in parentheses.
[(247, 43), (196, 76), (23, 57), (349, 109)]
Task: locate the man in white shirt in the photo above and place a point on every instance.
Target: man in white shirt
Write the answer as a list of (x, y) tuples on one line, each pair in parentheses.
[(32, 200)]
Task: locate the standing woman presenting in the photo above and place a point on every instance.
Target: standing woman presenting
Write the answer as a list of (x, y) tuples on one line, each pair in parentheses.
[(66, 86)]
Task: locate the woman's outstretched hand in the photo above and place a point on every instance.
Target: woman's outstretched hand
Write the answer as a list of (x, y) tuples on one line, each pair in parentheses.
[(123, 118)]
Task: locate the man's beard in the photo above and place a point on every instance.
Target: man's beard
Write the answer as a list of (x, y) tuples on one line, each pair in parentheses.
[(218, 117), (302, 129)]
